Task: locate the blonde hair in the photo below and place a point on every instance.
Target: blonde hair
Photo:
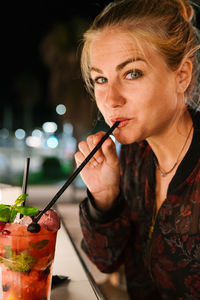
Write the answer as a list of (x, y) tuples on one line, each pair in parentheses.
[(167, 25)]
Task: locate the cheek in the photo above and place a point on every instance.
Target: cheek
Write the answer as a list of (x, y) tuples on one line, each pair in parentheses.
[(100, 99), (99, 104)]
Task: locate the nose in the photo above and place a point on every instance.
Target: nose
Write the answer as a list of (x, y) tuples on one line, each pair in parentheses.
[(114, 97)]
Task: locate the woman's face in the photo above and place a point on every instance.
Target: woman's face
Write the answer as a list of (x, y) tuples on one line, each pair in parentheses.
[(133, 86)]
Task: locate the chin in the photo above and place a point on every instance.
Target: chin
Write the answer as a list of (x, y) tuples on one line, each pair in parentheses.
[(125, 140)]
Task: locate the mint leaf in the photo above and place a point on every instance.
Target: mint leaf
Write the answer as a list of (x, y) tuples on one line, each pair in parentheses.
[(39, 245), (20, 199), (27, 210), (8, 251), (3, 206), (13, 214), (21, 262), (13, 211), (8, 212), (4, 212)]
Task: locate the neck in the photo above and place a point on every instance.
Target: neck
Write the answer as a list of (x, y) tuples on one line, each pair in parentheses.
[(171, 145)]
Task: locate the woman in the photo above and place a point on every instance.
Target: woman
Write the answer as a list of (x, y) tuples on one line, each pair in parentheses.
[(140, 62)]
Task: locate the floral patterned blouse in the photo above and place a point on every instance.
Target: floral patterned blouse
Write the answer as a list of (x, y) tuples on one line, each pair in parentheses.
[(162, 265)]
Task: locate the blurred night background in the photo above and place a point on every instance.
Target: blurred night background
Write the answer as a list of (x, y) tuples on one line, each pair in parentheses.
[(45, 109)]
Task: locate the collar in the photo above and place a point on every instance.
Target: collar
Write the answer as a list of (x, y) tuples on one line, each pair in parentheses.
[(189, 161)]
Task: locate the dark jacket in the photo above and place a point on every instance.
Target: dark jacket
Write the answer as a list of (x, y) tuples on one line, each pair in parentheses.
[(166, 265)]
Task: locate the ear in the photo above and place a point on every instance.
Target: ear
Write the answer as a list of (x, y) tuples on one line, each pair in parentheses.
[(183, 76)]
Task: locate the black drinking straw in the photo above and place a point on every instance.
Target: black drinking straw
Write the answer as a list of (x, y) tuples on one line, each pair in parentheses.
[(25, 180), (76, 172)]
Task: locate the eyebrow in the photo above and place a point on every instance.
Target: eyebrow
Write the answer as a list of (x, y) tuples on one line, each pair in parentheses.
[(128, 61), (120, 66)]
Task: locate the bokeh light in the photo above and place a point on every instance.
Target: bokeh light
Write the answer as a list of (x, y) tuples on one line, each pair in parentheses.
[(50, 127), (20, 134), (52, 142), (61, 109)]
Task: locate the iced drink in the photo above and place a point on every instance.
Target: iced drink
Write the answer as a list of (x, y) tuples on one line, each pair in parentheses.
[(26, 260)]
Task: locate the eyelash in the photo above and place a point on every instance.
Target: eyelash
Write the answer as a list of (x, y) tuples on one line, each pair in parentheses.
[(137, 74), (97, 80)]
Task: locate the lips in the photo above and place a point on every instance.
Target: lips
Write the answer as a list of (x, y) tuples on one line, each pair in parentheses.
[(123, 122)]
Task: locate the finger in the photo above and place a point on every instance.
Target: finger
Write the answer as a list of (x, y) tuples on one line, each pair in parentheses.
[(84, 148), (92, 142), (79, 158), (109, 152)]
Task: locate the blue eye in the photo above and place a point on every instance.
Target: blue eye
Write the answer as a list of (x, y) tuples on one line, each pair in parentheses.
[(100, 80), (133, 74)]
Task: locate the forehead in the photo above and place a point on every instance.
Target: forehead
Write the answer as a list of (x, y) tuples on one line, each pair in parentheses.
[(112, 43)]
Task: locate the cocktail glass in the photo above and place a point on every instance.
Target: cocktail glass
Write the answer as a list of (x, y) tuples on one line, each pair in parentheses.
[(26, 257), (26, 263)]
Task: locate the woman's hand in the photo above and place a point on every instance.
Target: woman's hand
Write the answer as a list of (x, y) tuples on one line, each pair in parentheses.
[(101, 174)]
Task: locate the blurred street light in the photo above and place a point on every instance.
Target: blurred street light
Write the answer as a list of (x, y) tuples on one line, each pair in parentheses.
[(61, 109)]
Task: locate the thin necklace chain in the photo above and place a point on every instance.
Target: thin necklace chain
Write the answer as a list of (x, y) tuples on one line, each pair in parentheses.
[(163, 174)]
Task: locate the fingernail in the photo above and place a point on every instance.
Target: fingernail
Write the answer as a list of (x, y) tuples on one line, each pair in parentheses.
[(94, 163), (100, 159)]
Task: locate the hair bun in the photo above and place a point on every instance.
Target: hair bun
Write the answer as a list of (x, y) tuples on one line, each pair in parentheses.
[(186, 10)]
